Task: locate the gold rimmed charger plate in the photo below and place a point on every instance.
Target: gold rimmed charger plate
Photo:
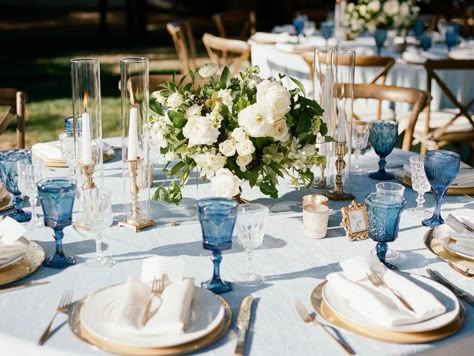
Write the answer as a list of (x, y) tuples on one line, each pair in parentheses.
[(325, 311), (218, 332), (446, 255), (6, 203), (25, 265)]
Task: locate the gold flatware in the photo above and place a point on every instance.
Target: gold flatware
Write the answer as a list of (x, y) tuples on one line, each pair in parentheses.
[(465, 272), (377, 281), (63, 307), (22, 285), (157, 288), (243, 322), (308, 318), (458, 292)]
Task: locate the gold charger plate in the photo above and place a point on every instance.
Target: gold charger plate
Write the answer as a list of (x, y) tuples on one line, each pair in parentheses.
[(23, 266), (446, 255), (107, 156), (325, 311), (221, 329)]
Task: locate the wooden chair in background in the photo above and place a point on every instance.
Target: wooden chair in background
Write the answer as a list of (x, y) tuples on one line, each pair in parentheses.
[(229, 22), (227, 52), (15, 100), (183, 39)]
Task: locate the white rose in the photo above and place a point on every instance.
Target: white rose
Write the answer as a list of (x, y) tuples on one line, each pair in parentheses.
[(239, 134), (404, 9), (207, 70), (225, 95), (200, 131), (194, 110), (391, 7), (227, 148), (245, 147), (308, 150), (175, 100), (209, 163), (158, 96), (225, 184), (363, 10), (274, 97), (373, 6), (243, 161), (280, 131), (255, 120)]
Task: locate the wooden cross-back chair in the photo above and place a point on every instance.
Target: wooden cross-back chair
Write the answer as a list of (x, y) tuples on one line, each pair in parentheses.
[(15, 100), (183, 39), (452, 126), (237, 18), (227, 52)]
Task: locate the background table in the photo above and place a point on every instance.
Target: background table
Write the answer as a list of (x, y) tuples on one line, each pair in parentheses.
[(292, 264)]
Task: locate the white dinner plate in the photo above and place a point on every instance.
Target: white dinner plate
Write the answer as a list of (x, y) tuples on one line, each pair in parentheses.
[(341, 306), (206, 314), (442, 233)]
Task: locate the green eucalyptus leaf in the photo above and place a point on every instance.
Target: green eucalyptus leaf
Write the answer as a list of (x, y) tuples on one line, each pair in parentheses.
[(177, 118)]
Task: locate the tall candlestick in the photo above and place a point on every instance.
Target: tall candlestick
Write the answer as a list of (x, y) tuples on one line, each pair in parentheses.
[(341, 129), (86, 139), (133, 135)]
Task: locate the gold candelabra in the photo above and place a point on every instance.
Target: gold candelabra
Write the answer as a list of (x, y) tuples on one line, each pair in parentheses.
[(338, 193), (135, 220), (88, 171)]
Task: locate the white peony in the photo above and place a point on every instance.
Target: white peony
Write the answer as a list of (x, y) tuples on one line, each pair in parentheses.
[(373, 6), (209, 163), (227, 148), (194, 110), (255, 120), (274, 97), (239, 134), (404, 10), (245, 147), (199, 130), (391, 7), (225, 184), (207, 70), (280, 131), (225, 95), (175, 100), (243, 161)]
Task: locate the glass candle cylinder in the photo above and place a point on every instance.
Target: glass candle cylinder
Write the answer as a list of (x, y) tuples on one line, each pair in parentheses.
[(135, 151)]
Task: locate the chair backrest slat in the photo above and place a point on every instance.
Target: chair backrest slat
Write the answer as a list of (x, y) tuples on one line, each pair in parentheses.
[(15, 100)]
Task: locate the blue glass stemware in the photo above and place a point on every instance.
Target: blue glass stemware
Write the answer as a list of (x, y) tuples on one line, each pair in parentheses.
[(383, 138), (9, 176), (380, 36), (441, 167), (327, 28), (57, 199), (217, 217), (298, 23), (384, 212)]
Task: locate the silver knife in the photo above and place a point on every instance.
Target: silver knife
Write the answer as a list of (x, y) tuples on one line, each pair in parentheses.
[(243, 321), (458, 292), (22, 285)]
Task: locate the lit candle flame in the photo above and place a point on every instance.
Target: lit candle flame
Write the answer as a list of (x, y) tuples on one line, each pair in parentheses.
[(86, 100)]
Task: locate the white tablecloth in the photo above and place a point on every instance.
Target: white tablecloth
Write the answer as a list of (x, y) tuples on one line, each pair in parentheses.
[(292, 265)]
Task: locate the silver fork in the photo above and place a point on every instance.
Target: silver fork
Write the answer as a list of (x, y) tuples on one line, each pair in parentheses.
[(63, 307), (308, 318), (377, 281), (157, 288)]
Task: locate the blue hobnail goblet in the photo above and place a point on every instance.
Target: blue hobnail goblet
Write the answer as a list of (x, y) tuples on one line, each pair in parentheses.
[(57, 199), (9, 176), (441, 167), (380, 36), (384, 212), (217, 217), (383, 138)]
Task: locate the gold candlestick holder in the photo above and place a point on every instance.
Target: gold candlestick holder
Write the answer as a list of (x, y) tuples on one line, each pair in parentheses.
[(88, 171), (135, 221), (338, 193)]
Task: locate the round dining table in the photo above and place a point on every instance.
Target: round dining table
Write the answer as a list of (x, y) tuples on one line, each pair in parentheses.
[(291, 264)]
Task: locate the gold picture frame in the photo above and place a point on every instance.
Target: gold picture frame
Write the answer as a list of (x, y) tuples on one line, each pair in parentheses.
[(355, 221)]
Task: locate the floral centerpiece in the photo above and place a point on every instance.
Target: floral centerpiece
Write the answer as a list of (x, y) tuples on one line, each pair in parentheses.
[(369, 15), (233, 130)]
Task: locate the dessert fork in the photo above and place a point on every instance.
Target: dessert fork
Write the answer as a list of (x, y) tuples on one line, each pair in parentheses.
[(375, 279), (63, 307), (157, 288)]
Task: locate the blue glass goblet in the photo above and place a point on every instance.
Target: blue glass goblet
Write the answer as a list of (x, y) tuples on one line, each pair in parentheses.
[(425, 42), (441, 167), (298, 23), (384, 212), (217, 217), (9, 176), (57, 199), (327, 28), (383, 138), (380, 36)]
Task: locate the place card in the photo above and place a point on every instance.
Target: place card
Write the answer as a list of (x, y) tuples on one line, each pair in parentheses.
[(10, 230), (355, 221)]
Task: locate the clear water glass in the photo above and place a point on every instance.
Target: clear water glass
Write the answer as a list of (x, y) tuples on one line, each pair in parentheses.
[(31, 172), (217, 218), (384, 212), (250, 228), (383, 138), (390, 188), (419, 183), (66, 144), (56, 196), (441, 167), (360, 138), (97, 217), (9, 176)]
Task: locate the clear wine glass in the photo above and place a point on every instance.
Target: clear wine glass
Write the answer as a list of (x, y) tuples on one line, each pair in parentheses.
[(419, 183), (360, 138), (29, 173), (250, 226), (97, 216), (66, 143)]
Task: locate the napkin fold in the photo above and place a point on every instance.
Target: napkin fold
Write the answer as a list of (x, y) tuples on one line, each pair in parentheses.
[(265, 37), (379, 304), (294, 47), (169, 313), (10, 247), (456, 232), (50, 151)]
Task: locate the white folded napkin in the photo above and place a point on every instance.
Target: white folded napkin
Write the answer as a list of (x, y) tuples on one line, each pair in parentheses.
[(455, 220), (169, 313), (265, 37), (379, 304), (462, 53), (465, 178), (294, 47), (47, 150), (10, 247)]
